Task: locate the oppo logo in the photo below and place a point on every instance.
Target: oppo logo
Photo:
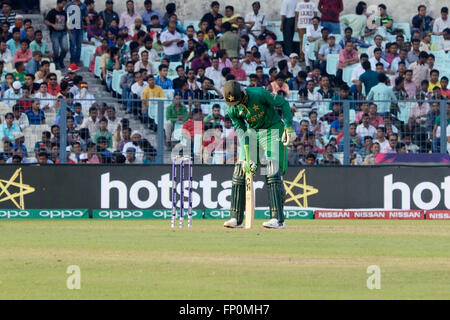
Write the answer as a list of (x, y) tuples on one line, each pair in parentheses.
[(120, 214), (221, 214), (293, 214), (8, 214), (417, 194), (60, 213)]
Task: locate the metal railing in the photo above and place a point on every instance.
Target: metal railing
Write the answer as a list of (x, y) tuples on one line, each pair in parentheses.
[(156, 114)]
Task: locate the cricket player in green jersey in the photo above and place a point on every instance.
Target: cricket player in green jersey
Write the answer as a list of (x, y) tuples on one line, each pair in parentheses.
[(259, 126)]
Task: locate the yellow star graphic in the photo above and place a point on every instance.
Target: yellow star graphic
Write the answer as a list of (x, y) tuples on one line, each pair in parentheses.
[(255, 107), (230, 98), (23, 189), (307, 190)]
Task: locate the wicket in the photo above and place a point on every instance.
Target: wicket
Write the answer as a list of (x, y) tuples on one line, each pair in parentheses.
[(181, 160)]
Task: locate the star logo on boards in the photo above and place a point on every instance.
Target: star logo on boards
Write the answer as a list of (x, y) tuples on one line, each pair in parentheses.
[(23, 189), (301, 199)]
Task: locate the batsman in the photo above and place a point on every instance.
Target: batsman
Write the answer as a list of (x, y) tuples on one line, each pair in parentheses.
[(260, 129)]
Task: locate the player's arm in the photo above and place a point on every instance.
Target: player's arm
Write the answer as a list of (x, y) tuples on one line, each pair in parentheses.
[(276, 101)]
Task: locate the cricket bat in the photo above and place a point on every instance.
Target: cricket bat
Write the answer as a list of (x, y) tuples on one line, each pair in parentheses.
[(249, 201)]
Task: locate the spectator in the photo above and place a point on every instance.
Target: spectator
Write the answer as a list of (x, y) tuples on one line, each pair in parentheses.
[(77, 15), (95, 29), (330, 10), (382, 93), (13, 94), (7, 15), (377, 53), (365, 128), (162, 80), (278, 85), (369, 78), (277, 57), (378, 40), (38, 44), (444, 44), (213, 72), (201, 60), (325, 91), (14, 42), (126, 81), (334, 114), (103, 132), (91, 122), (426, 44), (370, 159), (247, 64), (23, 54), (46, 99), (151, 91), (176, 113), (84, 97), (20, 118), (424, 22), (441, 23), (126, 133), (337, 125), (391, 146), (145, 64), (149, 13), (347, 57), (44, 144), (328, 48), (34, 64), (172, 43), (420, 69), (128, 17), (357, 21), (211, 16), (35, 116), (305, 11), (328, 157), (109, 15), (5, 53), (288, 26), (236, 70), (299, 82), (256, 20)]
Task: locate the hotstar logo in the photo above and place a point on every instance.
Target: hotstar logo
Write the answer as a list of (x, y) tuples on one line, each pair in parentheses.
[(299, 182), (23, 189)]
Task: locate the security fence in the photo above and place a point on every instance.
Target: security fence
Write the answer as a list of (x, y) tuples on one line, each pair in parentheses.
[(115, 130)]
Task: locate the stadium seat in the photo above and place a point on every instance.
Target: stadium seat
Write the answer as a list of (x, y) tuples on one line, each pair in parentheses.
[(97, 71), (436, 39), (347, 74), (311, 55), (115, 84), (439, 55), (352, 115), (332, 63), (168, 93), (187, 23), (9, 68), (405, 27), (87, 53)]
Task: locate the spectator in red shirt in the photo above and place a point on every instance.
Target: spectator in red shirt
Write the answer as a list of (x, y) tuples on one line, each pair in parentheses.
[(23, 54), (236, 71), (374, 119), (53, 86), (330, 10), (25, 101), (347, 57), (195, 123)]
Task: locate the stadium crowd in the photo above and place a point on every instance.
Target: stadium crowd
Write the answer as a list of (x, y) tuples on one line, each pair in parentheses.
[(376, 65)]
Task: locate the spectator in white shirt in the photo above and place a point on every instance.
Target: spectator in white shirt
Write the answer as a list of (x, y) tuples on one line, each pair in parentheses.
[(256, 20), (377, 59), (247, 64), (442, 23), (213, 72), (5, 53), (145, 64), (304, 13), (444, 44), (365, 129), (47, 100), (172, 43), (391, 146), (293, 65), (378, 40), (381, 137)]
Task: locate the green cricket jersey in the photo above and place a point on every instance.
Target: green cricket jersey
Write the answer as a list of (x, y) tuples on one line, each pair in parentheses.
[(260, 111)]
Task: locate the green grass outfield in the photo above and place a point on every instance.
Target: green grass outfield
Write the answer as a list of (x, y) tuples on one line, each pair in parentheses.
[(147, 260)]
